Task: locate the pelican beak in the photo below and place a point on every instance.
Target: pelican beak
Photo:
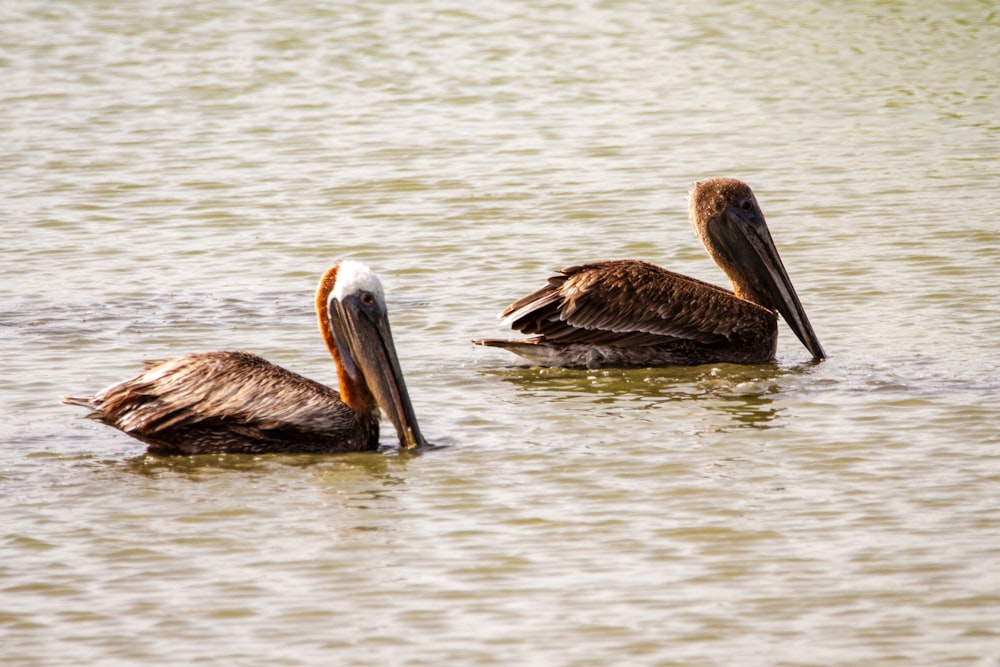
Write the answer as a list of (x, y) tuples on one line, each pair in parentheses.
[(360, 326), (749, 241)]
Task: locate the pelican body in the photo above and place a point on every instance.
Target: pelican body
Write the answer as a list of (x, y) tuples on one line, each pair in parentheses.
[(214, 402), (633, 313)]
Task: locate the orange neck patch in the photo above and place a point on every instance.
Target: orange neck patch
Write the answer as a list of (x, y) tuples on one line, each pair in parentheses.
[(354, 393)]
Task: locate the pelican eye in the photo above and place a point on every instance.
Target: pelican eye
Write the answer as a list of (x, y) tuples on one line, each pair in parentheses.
[(367, 299), (746, 205)]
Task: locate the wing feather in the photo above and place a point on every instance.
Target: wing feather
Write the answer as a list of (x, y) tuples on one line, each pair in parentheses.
[(238, 389), (630, 302)]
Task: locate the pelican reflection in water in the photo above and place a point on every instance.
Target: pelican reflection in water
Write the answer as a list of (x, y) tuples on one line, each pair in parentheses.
[(632, 313), (214, 402)]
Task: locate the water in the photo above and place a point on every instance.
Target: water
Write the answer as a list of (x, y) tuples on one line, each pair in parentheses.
[(176, 178)]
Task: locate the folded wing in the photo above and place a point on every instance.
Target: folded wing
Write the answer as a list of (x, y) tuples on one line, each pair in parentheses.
[(635, 303)]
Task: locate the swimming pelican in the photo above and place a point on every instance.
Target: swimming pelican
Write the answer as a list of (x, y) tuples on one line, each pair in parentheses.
[(632, 313), (215, 402)]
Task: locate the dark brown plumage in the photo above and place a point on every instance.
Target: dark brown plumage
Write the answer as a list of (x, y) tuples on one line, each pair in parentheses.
[(215, 402), (632, 313)]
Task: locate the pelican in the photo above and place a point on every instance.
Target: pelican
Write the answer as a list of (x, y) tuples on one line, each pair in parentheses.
[(214, 402), (633, 313)]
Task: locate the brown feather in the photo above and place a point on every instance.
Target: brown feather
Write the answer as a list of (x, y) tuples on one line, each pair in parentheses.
[(630, 302), (231, 401)]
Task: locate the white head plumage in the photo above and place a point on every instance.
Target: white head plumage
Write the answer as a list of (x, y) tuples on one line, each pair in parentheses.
[(354, 277)]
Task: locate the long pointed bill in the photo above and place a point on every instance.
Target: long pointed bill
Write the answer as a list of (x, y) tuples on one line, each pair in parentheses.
[(364, 340), (755, 253)]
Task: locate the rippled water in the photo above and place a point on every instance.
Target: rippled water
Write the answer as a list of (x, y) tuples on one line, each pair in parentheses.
[(176, 178)]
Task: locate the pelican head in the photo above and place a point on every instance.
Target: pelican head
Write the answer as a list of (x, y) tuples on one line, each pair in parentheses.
[(359, 323), (726, 216)]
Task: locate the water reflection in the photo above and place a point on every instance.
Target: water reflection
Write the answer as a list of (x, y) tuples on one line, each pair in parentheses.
[(751, 410), (378, 465), (355, 481), (749, 395)]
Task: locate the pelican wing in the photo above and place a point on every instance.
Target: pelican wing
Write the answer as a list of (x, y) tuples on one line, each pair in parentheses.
[(631, 303), (235, 390)]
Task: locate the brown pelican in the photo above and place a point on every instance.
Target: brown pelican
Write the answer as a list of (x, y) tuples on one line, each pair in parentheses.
[(215, 402), (632, 313)]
